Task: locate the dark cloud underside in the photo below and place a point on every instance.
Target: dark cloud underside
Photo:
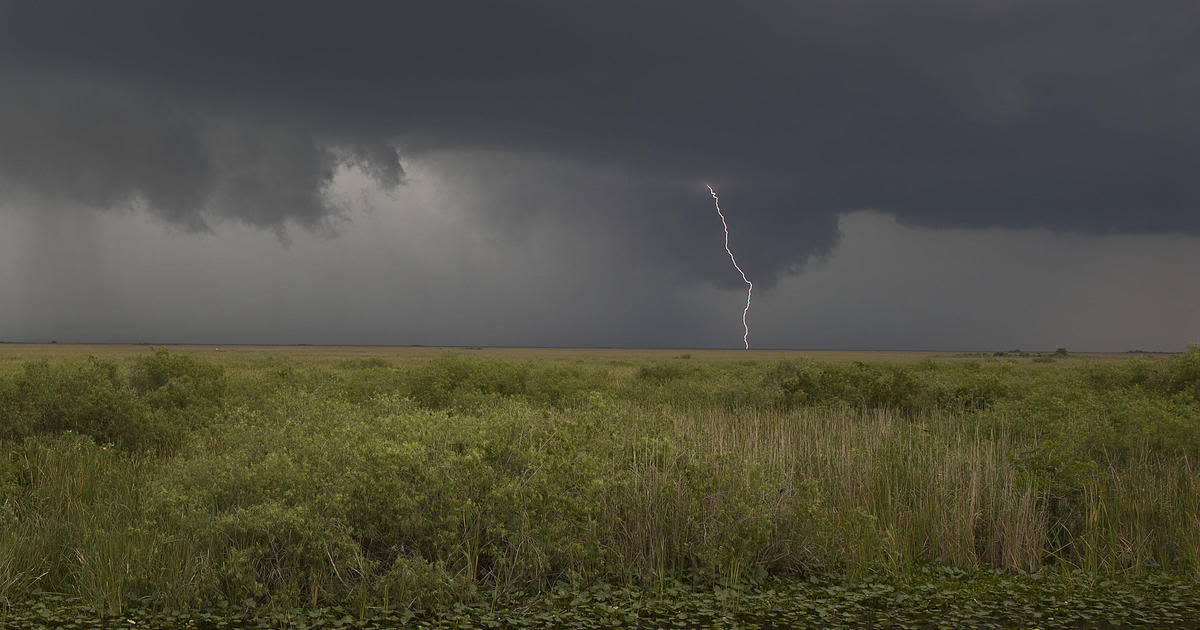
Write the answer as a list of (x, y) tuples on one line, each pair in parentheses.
[(1076, 116)]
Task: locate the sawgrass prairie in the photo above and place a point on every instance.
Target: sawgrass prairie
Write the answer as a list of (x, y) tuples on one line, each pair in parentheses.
[(417, 478)]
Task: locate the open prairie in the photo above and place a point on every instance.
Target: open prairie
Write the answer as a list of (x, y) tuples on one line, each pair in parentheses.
[(705, 487), (31, 351)]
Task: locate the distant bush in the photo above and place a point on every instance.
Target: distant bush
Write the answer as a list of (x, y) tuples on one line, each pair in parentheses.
[(662, 372), (858, 384), (87, 397), (165, 396), (364, 364), (972, 390), (453, 380), (563, 386), (177, 382), (896, 388), (797, 383), (1183, 374)]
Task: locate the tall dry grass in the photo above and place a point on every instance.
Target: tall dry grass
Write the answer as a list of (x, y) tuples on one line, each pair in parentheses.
[(944, 488)]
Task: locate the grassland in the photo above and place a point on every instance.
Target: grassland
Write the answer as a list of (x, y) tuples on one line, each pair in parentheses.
[(21, 352), (554, 487)]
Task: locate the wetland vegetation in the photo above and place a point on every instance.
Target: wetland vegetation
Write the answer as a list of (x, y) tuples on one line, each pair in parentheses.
[(460, 490)]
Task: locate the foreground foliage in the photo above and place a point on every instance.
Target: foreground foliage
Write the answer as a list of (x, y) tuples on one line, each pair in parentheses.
[(926, 598), (498, 486)]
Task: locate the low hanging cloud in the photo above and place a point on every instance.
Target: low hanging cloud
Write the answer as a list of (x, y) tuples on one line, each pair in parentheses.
[(95, 144), (1076, 117)]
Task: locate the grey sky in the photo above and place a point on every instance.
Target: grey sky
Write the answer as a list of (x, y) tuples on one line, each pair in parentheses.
[(531, 173)]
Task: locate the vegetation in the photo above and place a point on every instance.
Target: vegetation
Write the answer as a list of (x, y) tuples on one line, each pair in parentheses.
[(499, 490)]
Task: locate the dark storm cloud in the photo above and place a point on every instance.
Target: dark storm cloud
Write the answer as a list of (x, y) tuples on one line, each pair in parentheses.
[(100, 144), (1076, 116)]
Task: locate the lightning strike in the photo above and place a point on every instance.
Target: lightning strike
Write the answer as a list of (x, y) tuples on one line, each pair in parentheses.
[(749, 285)]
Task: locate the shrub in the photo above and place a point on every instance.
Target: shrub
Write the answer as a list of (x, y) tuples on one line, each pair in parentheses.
[(796, 383), (859, 384), (413, 582), (167, 396), (285, 552), (972, 389), (460, 382), (661, 372), (364, 364), (896, 388), (177, 381), (1183, 374), (86, 397), (560, 386)]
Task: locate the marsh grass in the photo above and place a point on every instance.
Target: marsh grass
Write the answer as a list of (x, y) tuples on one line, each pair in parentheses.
[(370, 485), (70, 525)]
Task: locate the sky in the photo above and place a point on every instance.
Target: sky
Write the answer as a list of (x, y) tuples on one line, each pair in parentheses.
[(920, 175)]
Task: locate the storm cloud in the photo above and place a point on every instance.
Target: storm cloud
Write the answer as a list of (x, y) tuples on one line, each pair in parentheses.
[(589, 128), (1072, 116)]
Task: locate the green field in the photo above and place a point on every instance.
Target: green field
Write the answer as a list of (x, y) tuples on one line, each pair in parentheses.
[(595, 488)]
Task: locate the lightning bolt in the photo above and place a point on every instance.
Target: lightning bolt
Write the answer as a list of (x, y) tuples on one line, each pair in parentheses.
[(750, 285)]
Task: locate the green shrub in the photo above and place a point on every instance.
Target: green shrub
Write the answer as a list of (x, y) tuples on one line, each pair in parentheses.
[(971, 389), (862, 385), (167, 396), (364, 364), (1183, 374), (897, 388), (662, 372), (86, 397), (177, 381), (284, 552), (795, 382), (453, 380), (416, 583)]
